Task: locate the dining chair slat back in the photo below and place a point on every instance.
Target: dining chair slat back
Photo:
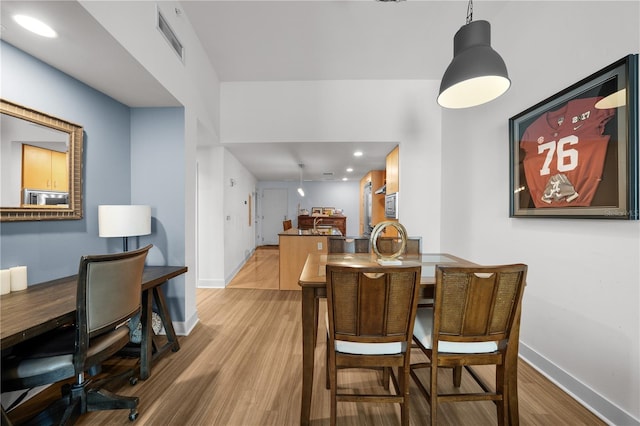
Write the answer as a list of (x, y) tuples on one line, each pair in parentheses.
[(390, 245), (476, 310), (370, 318), (342, 244)]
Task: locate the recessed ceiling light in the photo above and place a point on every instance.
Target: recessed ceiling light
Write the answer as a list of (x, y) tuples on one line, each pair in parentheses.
[(35, 26), (344, 179), (357, 154), (349, 170)]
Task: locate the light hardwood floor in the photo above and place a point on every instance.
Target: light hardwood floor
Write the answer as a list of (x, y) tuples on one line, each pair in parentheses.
[(241, 366)]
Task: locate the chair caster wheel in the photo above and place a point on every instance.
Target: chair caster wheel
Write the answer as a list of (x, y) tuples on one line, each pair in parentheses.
[(133, 380), (133, 415)]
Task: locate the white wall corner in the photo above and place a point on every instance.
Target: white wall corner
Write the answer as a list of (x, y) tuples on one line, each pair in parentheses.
[(183, 328)]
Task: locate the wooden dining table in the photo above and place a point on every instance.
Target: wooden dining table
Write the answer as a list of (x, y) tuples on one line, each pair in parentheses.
[(313, 282)]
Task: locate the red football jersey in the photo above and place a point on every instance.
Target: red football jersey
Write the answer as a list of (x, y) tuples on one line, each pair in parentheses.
[(569, 142)]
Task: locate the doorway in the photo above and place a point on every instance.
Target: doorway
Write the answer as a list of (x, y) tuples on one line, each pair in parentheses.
[(274, 211)]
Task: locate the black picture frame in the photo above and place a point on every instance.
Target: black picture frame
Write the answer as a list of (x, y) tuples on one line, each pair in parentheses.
[(575, 154)]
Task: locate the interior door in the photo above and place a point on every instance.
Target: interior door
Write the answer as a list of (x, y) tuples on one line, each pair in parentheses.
[(274, 211)]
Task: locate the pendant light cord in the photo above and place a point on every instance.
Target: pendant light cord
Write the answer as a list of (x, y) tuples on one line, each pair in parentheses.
[(470, 12)]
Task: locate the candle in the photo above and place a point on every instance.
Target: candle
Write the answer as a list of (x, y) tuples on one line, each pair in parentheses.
[(18, 278), (5, 281)]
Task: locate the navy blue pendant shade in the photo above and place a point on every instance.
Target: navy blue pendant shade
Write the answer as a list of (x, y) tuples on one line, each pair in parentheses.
[(477, 74)]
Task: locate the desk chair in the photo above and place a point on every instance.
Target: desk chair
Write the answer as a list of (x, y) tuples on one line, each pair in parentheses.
[(370, 318), (109, 294), (286, 224), (475, 312)]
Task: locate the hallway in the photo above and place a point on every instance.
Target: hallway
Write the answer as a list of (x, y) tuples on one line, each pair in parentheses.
[(260, 271)]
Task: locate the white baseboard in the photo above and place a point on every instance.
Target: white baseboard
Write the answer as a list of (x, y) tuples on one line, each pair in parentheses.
[(222, 283), (239, 267), (594, 402), (203, 283)]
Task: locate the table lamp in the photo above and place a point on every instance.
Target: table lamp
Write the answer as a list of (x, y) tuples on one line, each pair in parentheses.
[(124, 221)]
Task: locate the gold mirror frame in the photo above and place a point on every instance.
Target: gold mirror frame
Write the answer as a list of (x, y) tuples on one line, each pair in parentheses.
[(76, 133)]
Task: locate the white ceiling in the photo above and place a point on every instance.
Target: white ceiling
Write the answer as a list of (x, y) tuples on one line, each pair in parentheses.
[(261, 41), (327, 40)]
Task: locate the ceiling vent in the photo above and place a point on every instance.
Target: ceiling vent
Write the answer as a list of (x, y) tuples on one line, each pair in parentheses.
[(170, 36)]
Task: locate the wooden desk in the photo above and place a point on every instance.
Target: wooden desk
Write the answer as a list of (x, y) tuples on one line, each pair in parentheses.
[(313, 283), (43, 307)]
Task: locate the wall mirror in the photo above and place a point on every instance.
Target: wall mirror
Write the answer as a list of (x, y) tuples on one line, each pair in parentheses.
[(40, 165)]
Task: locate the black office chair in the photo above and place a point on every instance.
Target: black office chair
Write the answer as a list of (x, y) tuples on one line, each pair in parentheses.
[(109, 294)]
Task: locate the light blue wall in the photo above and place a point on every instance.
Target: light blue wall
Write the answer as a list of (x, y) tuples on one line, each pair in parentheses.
[(157, 179), (52, 249), (130, 156)]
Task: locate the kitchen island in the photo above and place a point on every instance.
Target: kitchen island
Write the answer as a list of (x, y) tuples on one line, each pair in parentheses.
[(295, 244)]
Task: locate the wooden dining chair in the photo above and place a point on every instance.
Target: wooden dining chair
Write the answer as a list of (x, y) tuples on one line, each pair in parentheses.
[(286, 224), (476, 310), (340, 244), (370, 318), (390, 245)]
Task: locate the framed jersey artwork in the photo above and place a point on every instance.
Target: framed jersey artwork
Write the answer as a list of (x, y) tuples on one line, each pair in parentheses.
[(575, 154)]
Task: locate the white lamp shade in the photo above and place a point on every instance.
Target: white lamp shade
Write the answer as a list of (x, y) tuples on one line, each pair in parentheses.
[(614, 100), (124, 221)]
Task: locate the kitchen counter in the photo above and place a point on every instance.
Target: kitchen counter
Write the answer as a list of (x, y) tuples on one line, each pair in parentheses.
[(295, 245), (320, 230)]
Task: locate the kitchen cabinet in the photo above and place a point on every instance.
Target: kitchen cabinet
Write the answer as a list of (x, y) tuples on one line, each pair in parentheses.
[(393, 183), (340, 222), (44, 169), (393, 171)]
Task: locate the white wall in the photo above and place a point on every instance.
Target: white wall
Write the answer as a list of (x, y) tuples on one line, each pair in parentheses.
[(337, 111), (580, 322), (341, 195), (239, 235), (210, 217), (194, 83)]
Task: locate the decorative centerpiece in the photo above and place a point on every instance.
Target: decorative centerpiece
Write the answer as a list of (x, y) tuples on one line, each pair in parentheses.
[(389, 258)]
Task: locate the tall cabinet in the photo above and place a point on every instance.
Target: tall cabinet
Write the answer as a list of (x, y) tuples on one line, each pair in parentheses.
[(393, 182), (383, 182), (376, 178), (393, 170)]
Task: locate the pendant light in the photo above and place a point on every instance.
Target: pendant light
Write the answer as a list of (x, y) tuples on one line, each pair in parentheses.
[(300, 189), (477, 74)]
